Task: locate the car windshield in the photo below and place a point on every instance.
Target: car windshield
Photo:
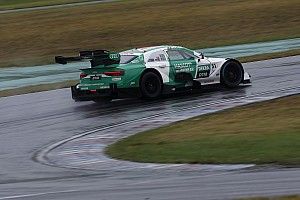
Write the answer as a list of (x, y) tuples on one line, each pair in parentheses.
[(127, 58)]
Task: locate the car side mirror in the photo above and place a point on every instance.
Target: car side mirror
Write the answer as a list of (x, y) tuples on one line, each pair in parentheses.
[(202, 56)]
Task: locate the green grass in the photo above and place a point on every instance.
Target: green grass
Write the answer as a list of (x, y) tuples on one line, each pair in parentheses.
[(290, 197), (33, 38), (262, 133), (16, 4)]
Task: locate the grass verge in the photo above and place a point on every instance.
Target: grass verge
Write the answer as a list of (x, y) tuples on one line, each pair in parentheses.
[(33, 38), (262, 133)]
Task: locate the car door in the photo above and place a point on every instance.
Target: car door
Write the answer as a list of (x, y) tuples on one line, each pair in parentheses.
[(158, 60), (181, 62)]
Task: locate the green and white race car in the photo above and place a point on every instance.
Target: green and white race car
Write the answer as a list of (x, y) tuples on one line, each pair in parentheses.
[(150, 72)]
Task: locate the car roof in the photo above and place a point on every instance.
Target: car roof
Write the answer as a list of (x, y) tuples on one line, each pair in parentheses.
[(142, 50)]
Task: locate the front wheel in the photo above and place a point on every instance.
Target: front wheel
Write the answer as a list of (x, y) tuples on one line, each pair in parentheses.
[(232, 74), (151, 85)]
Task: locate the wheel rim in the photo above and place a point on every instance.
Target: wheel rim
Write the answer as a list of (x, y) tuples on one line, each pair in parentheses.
[(232, 74), (151, 85)]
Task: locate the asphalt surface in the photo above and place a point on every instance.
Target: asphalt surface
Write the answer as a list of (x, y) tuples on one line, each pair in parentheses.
[(35, 164)]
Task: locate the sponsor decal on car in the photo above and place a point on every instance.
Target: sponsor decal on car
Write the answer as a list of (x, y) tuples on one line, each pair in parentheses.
[(95, 77), (203, 71), (116, 79), (183, 67), (114, 56)]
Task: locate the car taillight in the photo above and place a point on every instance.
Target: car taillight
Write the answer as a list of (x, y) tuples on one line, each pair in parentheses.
[(82, 75), (114, 73)]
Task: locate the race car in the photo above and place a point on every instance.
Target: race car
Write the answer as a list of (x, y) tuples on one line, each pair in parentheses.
[(150, 72)]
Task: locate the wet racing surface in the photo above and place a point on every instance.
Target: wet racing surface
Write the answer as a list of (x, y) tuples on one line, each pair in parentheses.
[(39, 159)]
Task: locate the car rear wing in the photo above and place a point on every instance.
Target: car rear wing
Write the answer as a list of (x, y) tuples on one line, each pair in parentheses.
[(96, 57)]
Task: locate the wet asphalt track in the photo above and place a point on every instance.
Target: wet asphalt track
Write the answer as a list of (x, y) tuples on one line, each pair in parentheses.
[(32, 123)]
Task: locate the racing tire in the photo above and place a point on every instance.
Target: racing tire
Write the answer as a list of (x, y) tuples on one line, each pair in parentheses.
[(151, 85), (232, 74)]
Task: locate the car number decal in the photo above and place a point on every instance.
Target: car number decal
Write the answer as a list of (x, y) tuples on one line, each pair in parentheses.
[(203, 71)]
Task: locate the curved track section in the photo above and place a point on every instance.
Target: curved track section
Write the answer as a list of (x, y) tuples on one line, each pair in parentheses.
[(30, 122), (86, 150)]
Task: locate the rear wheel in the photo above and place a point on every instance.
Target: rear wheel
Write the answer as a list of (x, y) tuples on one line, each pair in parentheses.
[(231, 74), (151, 85)]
